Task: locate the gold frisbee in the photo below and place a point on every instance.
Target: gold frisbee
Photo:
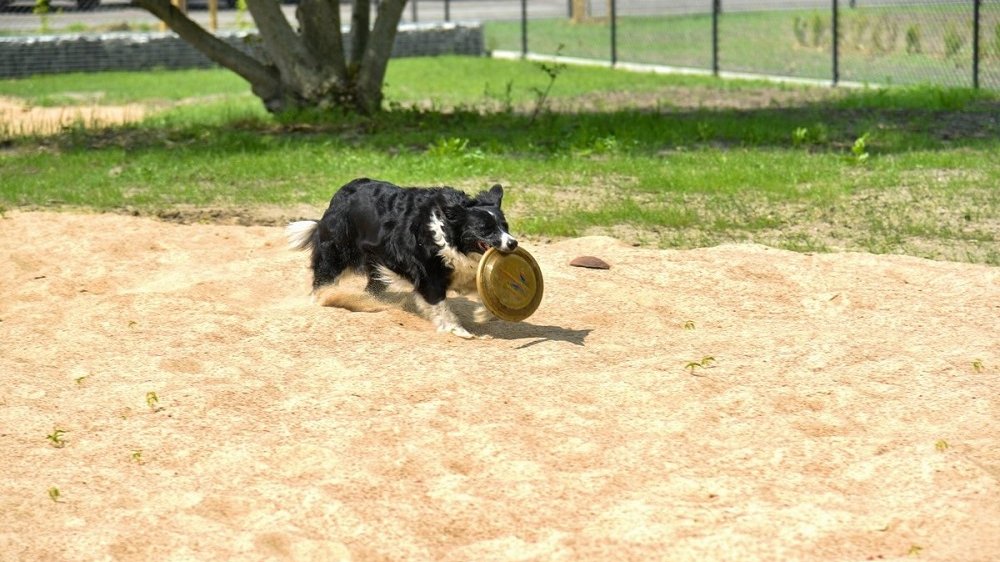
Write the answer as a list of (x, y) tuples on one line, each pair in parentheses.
[(510, 285)]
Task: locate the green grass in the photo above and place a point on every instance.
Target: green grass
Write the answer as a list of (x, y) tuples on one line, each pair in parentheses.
[(887, 45), (658, 160)]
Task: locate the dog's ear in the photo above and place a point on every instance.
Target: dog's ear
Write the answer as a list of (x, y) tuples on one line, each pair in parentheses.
[(491, 198)]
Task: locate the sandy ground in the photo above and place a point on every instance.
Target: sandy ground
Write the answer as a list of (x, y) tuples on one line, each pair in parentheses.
[(19, 118), (851, 412)]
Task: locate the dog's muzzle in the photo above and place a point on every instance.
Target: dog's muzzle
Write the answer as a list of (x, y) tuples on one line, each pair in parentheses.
[(507, 243)]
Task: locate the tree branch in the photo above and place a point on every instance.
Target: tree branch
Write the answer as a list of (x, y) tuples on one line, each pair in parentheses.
[(264, 80), (282, 43)]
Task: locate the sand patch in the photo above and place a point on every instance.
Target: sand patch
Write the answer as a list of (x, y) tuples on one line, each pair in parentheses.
[(850, 413)]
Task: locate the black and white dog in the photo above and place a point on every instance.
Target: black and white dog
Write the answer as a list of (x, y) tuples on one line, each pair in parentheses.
[(429, 240)]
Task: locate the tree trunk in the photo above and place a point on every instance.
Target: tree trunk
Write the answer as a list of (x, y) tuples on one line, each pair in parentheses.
[(308, 67), (360, 28), (368, 90)]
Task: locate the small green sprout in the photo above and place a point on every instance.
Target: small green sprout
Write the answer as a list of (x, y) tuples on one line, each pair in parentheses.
[(915, 550), (977, 365), (137, 457), (941, 445), (704, 131), (705, 363), (151, 400), (689, 325), (860, 149), (56, 437), (79, 380), (54, 494), (799, 136)]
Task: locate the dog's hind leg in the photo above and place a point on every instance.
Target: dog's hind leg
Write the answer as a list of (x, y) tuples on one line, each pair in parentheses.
[(328, 263), (380, 278)]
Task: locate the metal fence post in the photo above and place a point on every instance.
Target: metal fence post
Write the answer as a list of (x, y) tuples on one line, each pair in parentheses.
[(975, 42), (447, 10), (614, 33), (524, 28), (716, 9), (414, 10), (836, 42)]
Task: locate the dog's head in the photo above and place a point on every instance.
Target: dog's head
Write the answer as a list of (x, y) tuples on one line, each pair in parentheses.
[(482, 225)]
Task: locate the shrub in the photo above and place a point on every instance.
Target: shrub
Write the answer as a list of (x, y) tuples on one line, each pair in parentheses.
[(884, 35), (953, 41), (913, 40), (799, 27), (819, 27)]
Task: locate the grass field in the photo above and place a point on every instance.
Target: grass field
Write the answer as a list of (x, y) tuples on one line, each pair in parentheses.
[(894, 45), (656, 160)]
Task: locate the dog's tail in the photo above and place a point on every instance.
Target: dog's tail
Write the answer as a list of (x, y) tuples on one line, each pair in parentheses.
[(301, 234)]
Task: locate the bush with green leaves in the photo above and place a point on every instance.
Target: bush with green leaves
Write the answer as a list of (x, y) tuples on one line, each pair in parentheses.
[(953, 41)]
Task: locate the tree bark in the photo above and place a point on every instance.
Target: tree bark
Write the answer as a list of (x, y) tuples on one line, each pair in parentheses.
[(298, 67), (368, 89), (360, 28), (319, 22), (305, 67)]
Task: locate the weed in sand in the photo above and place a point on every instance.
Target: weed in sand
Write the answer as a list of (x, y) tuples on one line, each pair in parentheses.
[(689, 325), (56, 438), (941, 445), (705, 363), (977, 365), (152, 400), (54, 494)]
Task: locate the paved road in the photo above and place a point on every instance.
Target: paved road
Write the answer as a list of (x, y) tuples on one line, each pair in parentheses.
[(18, 17)]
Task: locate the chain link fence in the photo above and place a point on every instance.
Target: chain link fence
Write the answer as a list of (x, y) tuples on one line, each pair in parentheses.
[(943, 42)]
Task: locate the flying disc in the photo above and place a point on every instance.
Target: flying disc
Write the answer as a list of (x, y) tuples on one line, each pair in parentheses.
[(509, 284)]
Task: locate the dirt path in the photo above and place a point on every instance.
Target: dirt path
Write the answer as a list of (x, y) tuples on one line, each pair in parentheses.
[(851, 411), (19, 118)]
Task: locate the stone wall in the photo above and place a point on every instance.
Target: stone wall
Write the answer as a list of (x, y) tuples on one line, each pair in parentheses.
[(25, 56)]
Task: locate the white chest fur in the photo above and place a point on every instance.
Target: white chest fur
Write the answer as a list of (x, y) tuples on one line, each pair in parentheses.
[(463, 277)]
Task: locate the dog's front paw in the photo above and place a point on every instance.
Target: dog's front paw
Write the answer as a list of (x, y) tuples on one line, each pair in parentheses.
[(458, 331), (482, 315)]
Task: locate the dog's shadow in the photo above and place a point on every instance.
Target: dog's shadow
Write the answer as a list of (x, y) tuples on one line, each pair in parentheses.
[(500, 329), (355, 300)]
